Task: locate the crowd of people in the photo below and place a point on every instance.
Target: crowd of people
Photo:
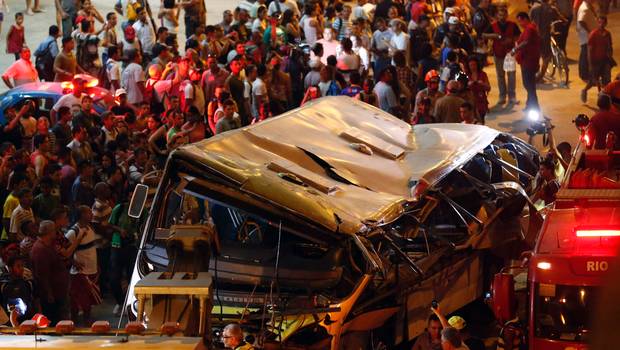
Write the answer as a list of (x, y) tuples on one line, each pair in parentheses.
[(65, 178)]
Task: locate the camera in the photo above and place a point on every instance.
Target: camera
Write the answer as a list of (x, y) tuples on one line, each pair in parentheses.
[(539, 125)]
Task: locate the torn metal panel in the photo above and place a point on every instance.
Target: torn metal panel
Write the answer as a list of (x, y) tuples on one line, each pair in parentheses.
[(376, 186)]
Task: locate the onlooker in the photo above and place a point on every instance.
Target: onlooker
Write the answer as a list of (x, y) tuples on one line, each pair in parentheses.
[(451, 340), (600, 58), (46, 53), (21, 71), (17, 288), (387, 99), (45, 203), (447, 107), (227, 121), (16, 37), (84, 287), (431, 338), (132, 78), (21, 214), (466, 113), (604, 121), (50, 273), (17, 182), (237, 88), (549, 185), (542, 14), (504, 35), (65, 63), (586, 23), (479, 86), (212, 78), (79, 145), (461, 326), (527, 54), (144, 33)]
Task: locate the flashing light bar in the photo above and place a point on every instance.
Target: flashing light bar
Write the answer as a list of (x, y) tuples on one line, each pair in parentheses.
[(543, 265), (597, 233)]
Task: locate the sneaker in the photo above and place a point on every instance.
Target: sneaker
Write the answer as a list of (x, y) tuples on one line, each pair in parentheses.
[(584, 96), (117, 310)]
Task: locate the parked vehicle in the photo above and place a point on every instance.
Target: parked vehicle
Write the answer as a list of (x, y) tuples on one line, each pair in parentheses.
[(46, 94), (577, 245)]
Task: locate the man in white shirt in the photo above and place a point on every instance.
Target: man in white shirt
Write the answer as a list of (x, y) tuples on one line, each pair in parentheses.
[(385, 94), (144, 32), (380, 45), (84, 285), (21, 214), (260, 95), (283, 5), (70, 100), (194, 96), (586, 23), (113, 68), (358, 11), (132, 78), (21, 71), (400, 39)]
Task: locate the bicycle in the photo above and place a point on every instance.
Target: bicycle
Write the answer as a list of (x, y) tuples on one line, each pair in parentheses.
[(558, 62)]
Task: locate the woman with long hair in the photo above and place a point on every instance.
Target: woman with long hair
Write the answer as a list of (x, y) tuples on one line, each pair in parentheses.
[(291, 27)]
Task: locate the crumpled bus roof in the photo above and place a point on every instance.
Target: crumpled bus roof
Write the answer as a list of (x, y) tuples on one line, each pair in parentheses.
[(310, 161)]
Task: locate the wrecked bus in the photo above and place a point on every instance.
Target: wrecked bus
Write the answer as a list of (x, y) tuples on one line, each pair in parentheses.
[(328, 225)]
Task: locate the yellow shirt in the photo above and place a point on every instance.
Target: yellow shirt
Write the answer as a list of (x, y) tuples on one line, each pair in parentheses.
[(9, 205)]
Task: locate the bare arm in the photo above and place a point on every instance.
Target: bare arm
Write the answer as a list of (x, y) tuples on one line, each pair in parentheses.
[(159, 133), (7, 81), (442, 318)]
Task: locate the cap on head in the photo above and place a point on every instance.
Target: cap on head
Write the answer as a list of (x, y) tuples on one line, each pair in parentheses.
[(120, 92), (457, 322)]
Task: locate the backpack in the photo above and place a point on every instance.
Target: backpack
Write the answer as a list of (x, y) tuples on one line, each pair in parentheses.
[(333, 89), (44, 63)]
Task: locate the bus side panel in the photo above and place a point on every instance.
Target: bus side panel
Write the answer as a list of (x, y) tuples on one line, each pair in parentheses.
[(453, 287)]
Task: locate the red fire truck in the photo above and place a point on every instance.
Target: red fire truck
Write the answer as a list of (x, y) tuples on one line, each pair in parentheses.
[(576, 246)]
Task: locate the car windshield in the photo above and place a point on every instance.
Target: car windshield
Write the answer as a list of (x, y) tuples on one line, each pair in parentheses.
[(563, 312)]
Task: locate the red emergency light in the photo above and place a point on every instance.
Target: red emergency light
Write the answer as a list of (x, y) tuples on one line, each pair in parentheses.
[(597, 232)]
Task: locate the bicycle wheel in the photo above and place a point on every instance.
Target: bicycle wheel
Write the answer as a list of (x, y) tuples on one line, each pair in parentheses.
[(551, 68), (562, 68)]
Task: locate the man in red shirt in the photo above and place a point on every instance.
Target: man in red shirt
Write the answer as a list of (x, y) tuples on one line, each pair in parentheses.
[(600, 52), (504, 33), (50, 274), (527, 54), (604, 121)]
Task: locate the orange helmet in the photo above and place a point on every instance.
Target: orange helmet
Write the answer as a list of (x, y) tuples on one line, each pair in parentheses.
[(431, 74)]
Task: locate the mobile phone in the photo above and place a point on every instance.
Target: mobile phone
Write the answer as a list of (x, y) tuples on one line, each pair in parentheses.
[(434, 304)]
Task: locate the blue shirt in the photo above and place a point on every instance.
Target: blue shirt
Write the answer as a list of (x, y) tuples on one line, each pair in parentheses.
[(53, 46)]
